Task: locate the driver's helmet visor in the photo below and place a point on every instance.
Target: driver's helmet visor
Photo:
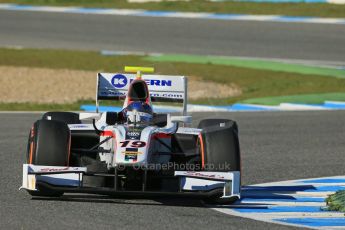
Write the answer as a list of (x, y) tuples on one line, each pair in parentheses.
[(138, 117)]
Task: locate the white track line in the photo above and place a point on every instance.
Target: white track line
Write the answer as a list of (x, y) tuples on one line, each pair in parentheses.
[(275, 211), (167, 14)]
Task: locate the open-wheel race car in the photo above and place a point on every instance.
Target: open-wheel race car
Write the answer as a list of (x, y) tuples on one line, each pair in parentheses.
[(134, 151)]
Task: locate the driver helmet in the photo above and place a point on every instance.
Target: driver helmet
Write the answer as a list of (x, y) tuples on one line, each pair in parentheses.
[(139, 112)]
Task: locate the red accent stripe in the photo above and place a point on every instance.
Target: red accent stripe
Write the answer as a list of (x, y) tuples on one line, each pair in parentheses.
[(32, 134), (31, 150), (107, 134), (202, 151), (162, 135)]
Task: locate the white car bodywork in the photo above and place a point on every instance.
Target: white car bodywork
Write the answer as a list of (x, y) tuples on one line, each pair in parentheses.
[(127, 145)]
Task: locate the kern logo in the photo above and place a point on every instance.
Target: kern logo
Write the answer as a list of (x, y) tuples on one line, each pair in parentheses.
[(119, 81)]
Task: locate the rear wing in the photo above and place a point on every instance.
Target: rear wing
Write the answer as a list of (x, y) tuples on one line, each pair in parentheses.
[(162, 88)]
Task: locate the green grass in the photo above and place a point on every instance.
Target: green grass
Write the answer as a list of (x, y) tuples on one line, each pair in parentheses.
[(40, 107), (51, 107), (251, 63), (66, 59), (336, 202), (290, 9), (255, 83)]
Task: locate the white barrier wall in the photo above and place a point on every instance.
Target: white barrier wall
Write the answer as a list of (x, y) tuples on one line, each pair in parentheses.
[(336, 1)]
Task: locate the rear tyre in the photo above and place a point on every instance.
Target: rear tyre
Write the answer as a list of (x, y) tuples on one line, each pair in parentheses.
[(220, 149), (66, 117), (49, 144)]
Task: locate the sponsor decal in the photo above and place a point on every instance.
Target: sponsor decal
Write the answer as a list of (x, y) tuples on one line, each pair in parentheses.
[(119, 81), (136, 129), (131, 157), (157, 82), (169, 95), (131, 153), (112, 93), (197, 174), (132, 144), (79, 126), (133, 134), (57, 169)]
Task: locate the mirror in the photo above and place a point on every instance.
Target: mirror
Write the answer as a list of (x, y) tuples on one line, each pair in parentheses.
[(183, 119), (89, 116)]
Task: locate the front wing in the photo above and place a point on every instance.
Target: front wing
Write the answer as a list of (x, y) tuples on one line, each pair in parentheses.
[(191, 184)]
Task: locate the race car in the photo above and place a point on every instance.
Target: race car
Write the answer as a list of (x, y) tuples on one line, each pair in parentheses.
[(134, 151)]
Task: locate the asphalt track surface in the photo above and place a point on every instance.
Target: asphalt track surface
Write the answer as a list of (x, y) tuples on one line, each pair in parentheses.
[(322, 42), (275, 146)]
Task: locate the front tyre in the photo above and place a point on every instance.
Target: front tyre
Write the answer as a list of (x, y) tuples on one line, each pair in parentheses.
[(66, 117), (219, 145), (220, 149), (49, 144)]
